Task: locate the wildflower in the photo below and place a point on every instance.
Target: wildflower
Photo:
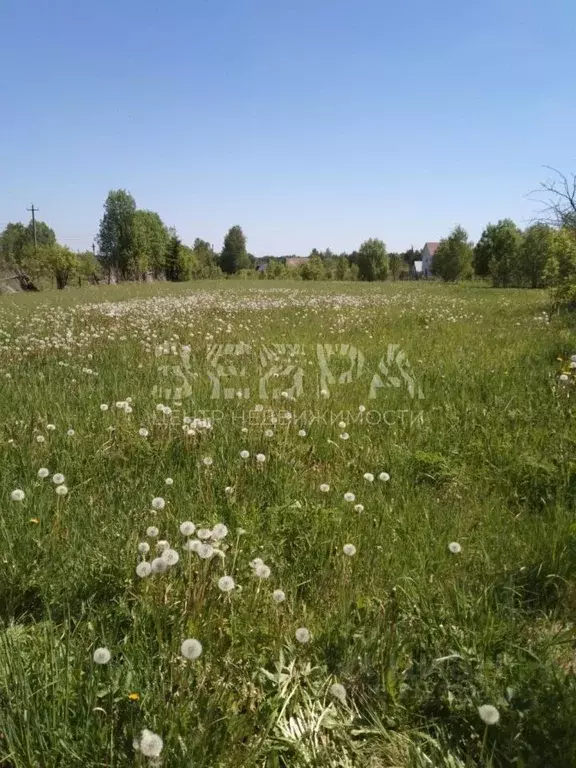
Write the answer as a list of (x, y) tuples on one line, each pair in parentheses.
[(158, 565), (134, 696), (205, 551), (226, 583), (128, 408), (152, 531), (324, 487), (191, 649), (303, 635), (102, 656), (229, 490), (70, 433), (454, 547), (361, 408), (384, 476), (160, 408), (344, 436), (50, 427), (369, 476), (342, 425), (150, 744), (143, 569), (169, 481), (256, 562), (244, 454), (204, 533), (35, 520), (58, 478), (40, 438), (170, 556), (158, 503), (187, 528), (268, 433), (278, 596), (349, 549), (220, 531), (260, 458), (338, 691), (17, 495), (359, 507), (489, 714), (104, 407), (324, 392), (258, 407), (301, 433), (349, 496), (143, 432), (61, 490), (192, 545), (143, 547), (563, 377), (120, 404), (167, 411), (262, 571), (207, 461), (162, 545)]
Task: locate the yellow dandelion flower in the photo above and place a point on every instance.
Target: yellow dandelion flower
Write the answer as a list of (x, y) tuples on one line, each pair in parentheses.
[(134, 696), (35, 520)]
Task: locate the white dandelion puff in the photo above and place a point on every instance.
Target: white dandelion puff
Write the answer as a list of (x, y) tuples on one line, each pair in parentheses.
[(170, 556), (454, 547), (338, 691), (187, 528), (349, 549), (344, 436), (489, 714), (143, 569), (50, 427), (17, 495), (61, 490), (349, 496), (324, 487), (43, 473), (369, 477), (169, 481), (226, 584), (260, 458), (104, 407), (151, 744), (158, 503), (162, 546), (58, 478), (204, 533), (256, 562), (244, 454), (40, 439), (205, 551), (102, 656), (152, 531), (159, 565), (191, 649), (359, 507), (207, 461), (143, 547), (301, 433), (70, 433), (192, 545), (278, 596), (219, 532), (262, 571), (302, 635), (384, 476), (143, 432)]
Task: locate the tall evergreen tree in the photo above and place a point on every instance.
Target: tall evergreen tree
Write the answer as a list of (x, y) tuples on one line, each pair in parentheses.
[(234, 256)]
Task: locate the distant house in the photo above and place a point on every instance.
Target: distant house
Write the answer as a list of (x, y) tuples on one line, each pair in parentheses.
[(427, 258), (296, 261), (262, 267), (416, 270)]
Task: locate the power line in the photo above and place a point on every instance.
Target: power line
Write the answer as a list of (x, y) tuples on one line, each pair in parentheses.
[(33, 211)]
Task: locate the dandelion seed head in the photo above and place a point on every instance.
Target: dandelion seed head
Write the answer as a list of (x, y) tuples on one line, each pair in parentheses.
[(226, 583), (359, 507), (384, 476), (17, 495), (260, 458), (192, 545), (143, 569), (104, 407), (369, 477), (187, 528), (102, 656), (71, 433), (489, 714), (58, 478), (43, 473), (262, 571), (204, 533), (143, 432), (278, 596), (158, 503), (61, 490), (324, 487), (162, 545), (152, 531), (207, 461), (349, 549), (338, 691), (205, 551), (191, 649), (151, 744), (244, 454), (349, 496), (219, 532), (170, 556), (169, 481), (302, 635), (158, 565), (143, 547)]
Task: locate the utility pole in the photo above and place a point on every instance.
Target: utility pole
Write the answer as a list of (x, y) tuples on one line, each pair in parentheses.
[(34, 211)]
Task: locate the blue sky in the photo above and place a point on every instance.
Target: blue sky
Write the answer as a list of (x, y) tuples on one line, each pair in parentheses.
[(311, 123)]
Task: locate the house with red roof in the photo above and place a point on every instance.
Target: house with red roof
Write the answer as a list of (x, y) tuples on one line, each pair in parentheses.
[(427, 258)]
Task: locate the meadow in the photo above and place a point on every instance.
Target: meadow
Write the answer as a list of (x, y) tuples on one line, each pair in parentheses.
[(284, 525)]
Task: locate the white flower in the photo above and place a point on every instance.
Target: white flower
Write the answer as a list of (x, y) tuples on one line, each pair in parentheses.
[(143, 432), (361, 408), (150, 744), (324, 392), (191, 649), (207, 461), (152, 531), (342, 425), (160, 408), (563, 377), (229, 490), (226, 583), (384, 476), (359, 507), (262, 571), (102, 656), (61, 490), (104, 407), (159, 565), (344, 436), (204, 533), (50, 427), (162, 545), (301, 433), (43, 472), (167, 410), (349, 496), (17, 495), (369, 476), (278, 596), (339, 692), (187, 528), (70, 433), (454, 547), (120, 404), (170, 556), (258, 407), (58, 478), (143, 569), (244, 454), (143, 547), (256, 562), (205, 551), (260, 458), (220, 531), (40, 439), (268, 433), (349, 549), (169, 481), (192, 545), (324, 487), (158, 503), (489, 714), (303, 635)]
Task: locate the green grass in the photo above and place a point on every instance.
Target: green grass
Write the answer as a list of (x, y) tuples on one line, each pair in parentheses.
[(419, 637)]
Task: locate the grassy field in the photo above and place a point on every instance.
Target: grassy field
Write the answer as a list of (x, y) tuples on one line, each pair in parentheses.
[(422, 424)]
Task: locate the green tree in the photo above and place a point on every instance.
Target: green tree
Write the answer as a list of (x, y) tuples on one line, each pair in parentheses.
[(395, 262), (342, 271), (16, 238), (313, 269), (88, 267), (45, 235), (206, 259), (537, 252), (234, 256), (372, 260), (150, 242), (453, 257), (116, 234), (59, 262), (497, 252)]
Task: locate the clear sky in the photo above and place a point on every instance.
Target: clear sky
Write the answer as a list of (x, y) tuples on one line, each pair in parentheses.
[(311, 123)]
